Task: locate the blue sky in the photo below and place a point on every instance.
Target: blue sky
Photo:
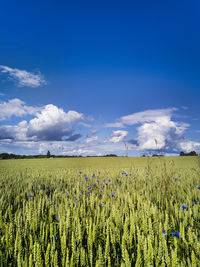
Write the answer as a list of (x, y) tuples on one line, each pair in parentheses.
[(88, 77)]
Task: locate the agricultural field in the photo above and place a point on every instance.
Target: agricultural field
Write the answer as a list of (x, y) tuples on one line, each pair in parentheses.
[(100, 212)]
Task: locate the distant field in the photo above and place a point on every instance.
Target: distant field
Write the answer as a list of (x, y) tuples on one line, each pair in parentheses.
[(99, 212), (100, 163)]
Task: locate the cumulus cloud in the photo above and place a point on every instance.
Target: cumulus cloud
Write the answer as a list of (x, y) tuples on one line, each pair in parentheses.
[(23, 77), (16, 107), (14, 132), (116, 136), (92, 139), (52, 123), (143, 116), (160, 134), (188, 146), (156, 131)]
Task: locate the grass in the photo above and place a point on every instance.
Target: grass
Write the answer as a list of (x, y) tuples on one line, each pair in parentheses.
[(100, 212)]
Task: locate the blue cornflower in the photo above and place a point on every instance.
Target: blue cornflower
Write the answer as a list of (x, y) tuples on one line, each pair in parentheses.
[(93, 175), (86, 178), (109, 180), (89, 188), (76, 199), (184, 207), (113, 195), (171, 193), (194, 202), (30, 196), (99, 172), (101, 191), (163, 232), (106, 184), (55, 238), (26, 169), (104, 180), (175, 179), (103, 186), (94, 185), (176, 234), (80, 172), (56, 217), (67, 196), (88, 192), (82, 192), (97, 181), (100, 204), (198, 187)]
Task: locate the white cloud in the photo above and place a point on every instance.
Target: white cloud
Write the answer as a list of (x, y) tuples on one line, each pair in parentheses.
[(14, 132), (52, 123), (116, 137), (189, 146), (92, 139), (143, 116), (23, 77), (160, 134), (16, 107)]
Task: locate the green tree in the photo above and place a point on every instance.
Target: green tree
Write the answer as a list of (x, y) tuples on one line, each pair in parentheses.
[(48, 154)]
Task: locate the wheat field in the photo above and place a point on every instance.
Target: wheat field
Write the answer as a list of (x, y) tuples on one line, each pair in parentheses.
[(100, 212)]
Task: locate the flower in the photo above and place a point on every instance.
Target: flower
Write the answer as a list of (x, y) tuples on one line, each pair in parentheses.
[(100, 204), (80, 172), (175, 179), (113, 195), (88, 192), (109, 180), (86, 178), (76, 199), (55, 238), (198, 187), (194, 202), (176, 234), (97, 181), (184, 207), (163, 232), (30, 196)]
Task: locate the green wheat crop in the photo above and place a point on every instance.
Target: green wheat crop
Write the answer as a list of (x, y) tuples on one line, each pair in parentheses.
[(100, 212)]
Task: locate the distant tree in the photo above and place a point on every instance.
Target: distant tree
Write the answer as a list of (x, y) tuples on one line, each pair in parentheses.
[(192, 153), (48, 154)]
